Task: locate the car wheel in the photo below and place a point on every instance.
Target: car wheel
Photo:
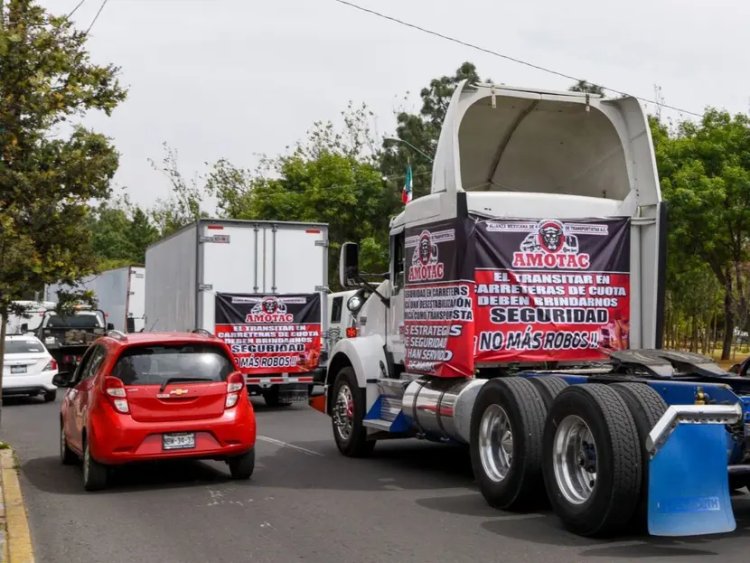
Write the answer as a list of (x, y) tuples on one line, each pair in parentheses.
[(506, 443), (67, 456), (94, 473), (50, 396), (347, 414), (242, 466)]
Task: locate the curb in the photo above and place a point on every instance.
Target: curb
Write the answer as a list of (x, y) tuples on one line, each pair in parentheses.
[(14, 526)]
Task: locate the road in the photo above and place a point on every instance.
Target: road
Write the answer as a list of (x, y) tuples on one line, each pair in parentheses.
[(305, 502)]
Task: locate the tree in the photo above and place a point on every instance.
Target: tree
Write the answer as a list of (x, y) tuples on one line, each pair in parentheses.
[(121, 232), (49, 168), (184, 205), (422, 131), (705, 176), (587, 87)]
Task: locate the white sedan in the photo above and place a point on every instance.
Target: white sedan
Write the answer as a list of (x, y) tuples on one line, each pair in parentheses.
[(28, 368)]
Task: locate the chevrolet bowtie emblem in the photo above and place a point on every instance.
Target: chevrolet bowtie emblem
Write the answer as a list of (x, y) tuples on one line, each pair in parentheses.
[(178, 391)]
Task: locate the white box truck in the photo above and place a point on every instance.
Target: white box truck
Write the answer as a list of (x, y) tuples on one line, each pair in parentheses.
[(120, 294), (258, 285)]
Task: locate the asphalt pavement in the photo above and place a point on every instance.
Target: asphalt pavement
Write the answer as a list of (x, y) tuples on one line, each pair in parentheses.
[(412, 501)]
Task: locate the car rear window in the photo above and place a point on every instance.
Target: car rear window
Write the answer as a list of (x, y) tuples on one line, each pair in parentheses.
[(23, 347), (155, 365)]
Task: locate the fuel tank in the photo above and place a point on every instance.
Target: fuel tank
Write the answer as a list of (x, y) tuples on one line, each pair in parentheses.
[(441, 408)]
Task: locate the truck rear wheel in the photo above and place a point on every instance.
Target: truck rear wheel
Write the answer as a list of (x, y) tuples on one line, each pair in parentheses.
[(592, 460), (507, 424), (347, 414), (647, 407), (549, 387)]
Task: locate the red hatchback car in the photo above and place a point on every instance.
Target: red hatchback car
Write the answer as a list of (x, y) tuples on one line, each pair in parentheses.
[(150, 396)]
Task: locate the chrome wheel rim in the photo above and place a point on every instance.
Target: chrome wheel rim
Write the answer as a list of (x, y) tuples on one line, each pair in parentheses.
[(343, 415), (575, 459), (496, 443)]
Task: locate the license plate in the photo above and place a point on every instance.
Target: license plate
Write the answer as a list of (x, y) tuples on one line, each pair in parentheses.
[(17, 369), (178, 441)]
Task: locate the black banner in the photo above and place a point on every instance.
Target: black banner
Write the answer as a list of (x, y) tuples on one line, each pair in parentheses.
[(271, 333)]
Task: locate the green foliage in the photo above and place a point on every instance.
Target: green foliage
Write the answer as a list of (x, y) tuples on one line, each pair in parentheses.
[(184, 204), (121, 232), (49, 170), (705, 177)]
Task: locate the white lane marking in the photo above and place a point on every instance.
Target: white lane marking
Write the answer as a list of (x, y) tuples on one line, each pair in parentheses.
[(288, 445)]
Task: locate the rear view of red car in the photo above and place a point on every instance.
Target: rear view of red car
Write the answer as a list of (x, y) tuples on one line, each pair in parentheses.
[(145, 397)]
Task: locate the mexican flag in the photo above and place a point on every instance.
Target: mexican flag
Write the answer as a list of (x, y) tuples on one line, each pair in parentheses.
[(406, 193)]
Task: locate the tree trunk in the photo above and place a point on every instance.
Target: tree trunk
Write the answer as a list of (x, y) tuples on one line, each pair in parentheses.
[(3, 326), (693, 333), (726, 347)]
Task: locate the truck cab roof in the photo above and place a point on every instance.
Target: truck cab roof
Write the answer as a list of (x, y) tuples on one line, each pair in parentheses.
[(509, 149)]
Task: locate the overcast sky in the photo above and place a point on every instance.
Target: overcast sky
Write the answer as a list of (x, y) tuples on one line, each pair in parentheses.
[(236, 78)]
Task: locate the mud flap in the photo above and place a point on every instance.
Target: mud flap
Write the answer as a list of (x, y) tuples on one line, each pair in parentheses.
[(688, 486)]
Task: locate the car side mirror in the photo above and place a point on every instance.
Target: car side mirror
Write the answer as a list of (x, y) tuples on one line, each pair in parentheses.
[(63, 379), (349, 265)]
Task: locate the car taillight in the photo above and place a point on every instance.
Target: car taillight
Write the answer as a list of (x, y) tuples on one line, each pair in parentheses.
[(352, 332), (51, 366), (115, 390), (235, 384)]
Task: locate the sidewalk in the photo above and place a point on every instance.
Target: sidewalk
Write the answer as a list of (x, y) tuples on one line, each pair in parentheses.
[(15, 538)]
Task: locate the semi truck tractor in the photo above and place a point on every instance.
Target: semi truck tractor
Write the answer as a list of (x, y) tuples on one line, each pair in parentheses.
[(259, 285), (120, 293), (522, 316)]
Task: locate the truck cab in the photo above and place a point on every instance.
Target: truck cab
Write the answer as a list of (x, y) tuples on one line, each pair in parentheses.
[(519, 153)]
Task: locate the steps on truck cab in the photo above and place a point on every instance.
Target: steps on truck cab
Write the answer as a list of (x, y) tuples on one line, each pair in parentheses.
[(386, 413)]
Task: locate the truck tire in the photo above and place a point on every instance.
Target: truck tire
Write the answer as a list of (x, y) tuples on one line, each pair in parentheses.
[(647, 407), (592, 460), (347, 414), (94, 473), (271, 397), (549, 387), (242, 466), (507, 425)]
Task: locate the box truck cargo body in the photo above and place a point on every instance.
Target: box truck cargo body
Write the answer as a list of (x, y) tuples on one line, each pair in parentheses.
[(120, 294), (259, 285)]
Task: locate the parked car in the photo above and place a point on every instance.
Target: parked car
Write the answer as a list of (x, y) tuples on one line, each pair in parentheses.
[(151, 396), (28, 368)]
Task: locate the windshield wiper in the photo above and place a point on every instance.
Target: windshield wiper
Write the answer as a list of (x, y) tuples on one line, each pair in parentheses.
[(183, 379)]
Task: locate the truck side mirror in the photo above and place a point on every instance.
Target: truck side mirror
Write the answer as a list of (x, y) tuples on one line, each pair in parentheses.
[(349, 265), (110, 326), (130, 324), (24, 328)]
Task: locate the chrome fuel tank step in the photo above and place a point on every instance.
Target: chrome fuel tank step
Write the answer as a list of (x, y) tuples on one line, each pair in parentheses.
[(442, 407)]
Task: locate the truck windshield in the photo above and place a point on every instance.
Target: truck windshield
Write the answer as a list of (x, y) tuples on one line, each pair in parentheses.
[(74, 321), (154, 365)]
